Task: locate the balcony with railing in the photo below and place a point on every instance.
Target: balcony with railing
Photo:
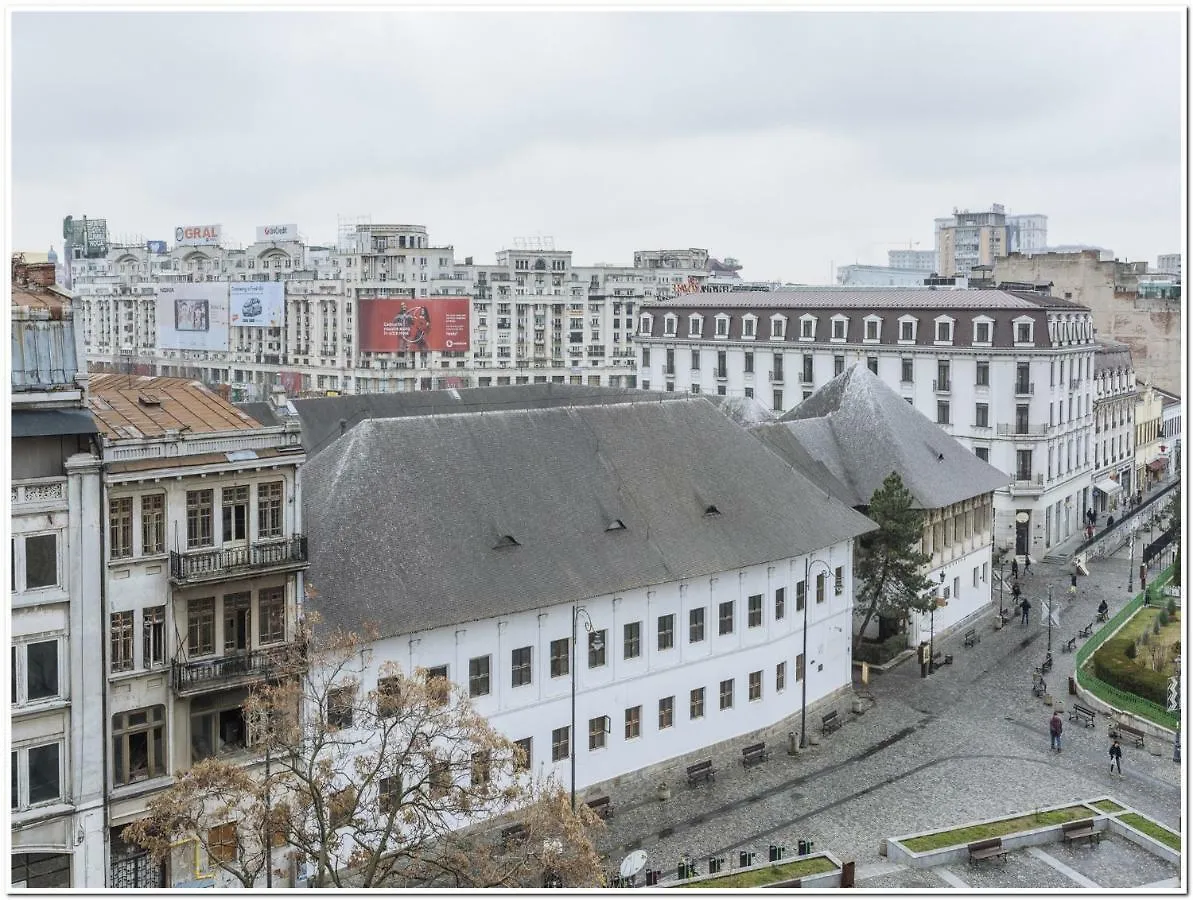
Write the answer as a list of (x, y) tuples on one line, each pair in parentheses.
[(196, 566), (1024, 388), (234, 670), (1022, 429)]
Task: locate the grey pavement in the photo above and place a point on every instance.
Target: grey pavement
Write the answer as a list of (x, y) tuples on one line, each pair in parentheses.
[(968, 742)]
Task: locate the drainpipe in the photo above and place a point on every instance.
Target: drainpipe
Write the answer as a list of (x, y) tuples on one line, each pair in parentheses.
[(103, 650)]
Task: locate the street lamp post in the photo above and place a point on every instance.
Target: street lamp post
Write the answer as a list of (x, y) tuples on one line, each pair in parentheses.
[(803, 709), (1131, 562), (1002, 561), (577, 611), (932, 631)]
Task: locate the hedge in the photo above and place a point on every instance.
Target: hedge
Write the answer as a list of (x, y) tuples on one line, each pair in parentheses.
[(1113, 666)]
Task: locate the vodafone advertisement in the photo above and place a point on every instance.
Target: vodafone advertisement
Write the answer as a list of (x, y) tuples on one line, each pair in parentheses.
[(408, 323)]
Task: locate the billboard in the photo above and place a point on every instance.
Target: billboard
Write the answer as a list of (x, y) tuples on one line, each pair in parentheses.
[(256, 304), (192, 316), (409, 323), (277, 233), (155, 246), (196, 235)]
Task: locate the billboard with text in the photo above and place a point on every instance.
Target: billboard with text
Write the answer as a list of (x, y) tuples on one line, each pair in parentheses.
[(256, 304), (192, 316), (414, 324)]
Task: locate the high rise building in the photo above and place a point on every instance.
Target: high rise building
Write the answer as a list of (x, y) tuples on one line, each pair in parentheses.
[(967, 239)]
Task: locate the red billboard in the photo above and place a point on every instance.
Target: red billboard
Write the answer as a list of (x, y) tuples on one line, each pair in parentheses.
[(409, 323)]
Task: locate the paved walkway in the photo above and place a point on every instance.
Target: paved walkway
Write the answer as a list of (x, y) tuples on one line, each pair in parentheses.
[(968, 742)]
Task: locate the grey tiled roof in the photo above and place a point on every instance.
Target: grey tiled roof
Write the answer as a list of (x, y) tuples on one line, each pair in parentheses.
[(860, 430), (406, 515), (882, 298)]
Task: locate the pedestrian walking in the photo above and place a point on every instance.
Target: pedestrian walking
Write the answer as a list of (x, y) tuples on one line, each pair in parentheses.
[(1116, 757), (1026, 607), (1073, 585), (1015, 568), (1026, 564), (1055, 727)]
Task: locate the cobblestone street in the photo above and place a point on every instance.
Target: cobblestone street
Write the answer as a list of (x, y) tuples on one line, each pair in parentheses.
[(969, 742)]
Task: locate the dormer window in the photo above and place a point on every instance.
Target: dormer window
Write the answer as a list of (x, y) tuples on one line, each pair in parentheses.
[(722, 326), (695, 325), (670, 325), (749, 327), (944, 330), (778, 328), (873, 330), (646, 325), (840, 328), (807, 328), (907, 326), (983, 331), (1025, 331)]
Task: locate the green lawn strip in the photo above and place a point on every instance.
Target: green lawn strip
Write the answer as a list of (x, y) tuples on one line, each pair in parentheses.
[(1142, 621), (778, 872), (1108, 806), (1152, 829), (999, 828)]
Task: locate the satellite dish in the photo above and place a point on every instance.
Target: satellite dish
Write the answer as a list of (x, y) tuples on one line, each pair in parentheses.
[(633, 864)]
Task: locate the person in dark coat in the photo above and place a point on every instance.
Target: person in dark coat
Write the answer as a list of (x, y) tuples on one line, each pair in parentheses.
[(1116, 757), (1055, 727), (1073, 584), (1016, 591), (1015, 568), (1103, 609), (1026, 607)]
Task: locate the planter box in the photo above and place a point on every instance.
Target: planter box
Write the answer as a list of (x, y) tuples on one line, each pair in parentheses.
[(831, 878)]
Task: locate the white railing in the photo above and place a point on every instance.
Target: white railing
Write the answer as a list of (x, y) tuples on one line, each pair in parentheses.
[(39, 490)]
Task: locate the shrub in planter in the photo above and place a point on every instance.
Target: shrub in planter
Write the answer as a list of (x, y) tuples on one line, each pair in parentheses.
[(1162, 619), (1130, 651), (1113, 666), (1171, 607)]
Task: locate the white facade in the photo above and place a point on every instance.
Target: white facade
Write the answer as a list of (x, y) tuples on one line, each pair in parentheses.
[(1025, 406), (661, 644), (880, 276), (1169, 263), (1115, 396), (1026, 232), (919, 260), (959, 542)]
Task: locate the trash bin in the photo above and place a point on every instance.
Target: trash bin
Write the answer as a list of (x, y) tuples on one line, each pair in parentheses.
[(1072, 686)]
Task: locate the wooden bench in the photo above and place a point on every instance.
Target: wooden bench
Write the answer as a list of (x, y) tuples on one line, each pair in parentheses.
[(830, 722), (1082, 829), (1086, 631), (1083, 714), (1006, 615), (942, 659), (971, 637), (1122, 732), (987, 849), (1070, 645), (601, 806), (701, 771), (755, 753), (514, 834)]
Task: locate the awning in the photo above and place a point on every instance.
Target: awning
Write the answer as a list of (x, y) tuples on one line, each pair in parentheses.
[(1159, 464), (47, 422), (1108, 486)]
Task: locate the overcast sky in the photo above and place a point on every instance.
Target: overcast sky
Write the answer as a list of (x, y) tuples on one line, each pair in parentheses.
[(791, 140)]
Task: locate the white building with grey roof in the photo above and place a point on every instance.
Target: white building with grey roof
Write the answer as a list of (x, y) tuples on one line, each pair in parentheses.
[(696, 555), (1008, 374), (833, 439)]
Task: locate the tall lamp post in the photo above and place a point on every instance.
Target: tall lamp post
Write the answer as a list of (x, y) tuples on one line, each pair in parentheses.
[(803, 708), (577, 611), (932, 630), (1002, 561)]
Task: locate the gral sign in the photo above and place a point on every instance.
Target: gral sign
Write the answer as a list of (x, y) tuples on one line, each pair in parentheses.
[(267, 233), (256, 304), (409, 323), (197, 235), (192, 316)]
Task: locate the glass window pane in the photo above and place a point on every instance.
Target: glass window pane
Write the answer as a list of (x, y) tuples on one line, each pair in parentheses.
[(42, 666), (44, 782), (41, 561)]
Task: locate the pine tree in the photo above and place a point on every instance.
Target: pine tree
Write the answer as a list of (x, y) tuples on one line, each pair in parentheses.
[(889, 565)]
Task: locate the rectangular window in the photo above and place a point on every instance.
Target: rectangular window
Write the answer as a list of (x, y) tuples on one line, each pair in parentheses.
[(478, 676), (271, 604), (780, 677), (153, 523), (45, 773), (41, 561), (696, 360), (438, 687), (780, 603), (755, 685), (1021, 417), (631, 640), (982, 453), (944, 331), (838, 365), (799, 668), (725, 618), (120, 527), (269, 509), (777, 397), (907, 331), (754, 611), (942, 412), (666, 712), (695, 625), (198, 518), (596, 649), (872, 364), (908, 367), (749, 361), (479, 768), (389, 696), (520, 668), (522, 755), (807, 368), (982, 378), (560, 744), (389, 794), (633, 723), (839, 580), (153, 636), (139, 745), (666, 632), (820, 579), (1023, 333), (696, 703), (237, 622), (981, 415), (871, 330), (340, 702), (559, 658), (200, 629), (727, 693), (981, 332), (235, 505), (439, 780), (122, 641), (942, 375)]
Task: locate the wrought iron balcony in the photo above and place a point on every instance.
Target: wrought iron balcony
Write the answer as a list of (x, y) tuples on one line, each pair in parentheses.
[(228, 562), (220, 672)]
